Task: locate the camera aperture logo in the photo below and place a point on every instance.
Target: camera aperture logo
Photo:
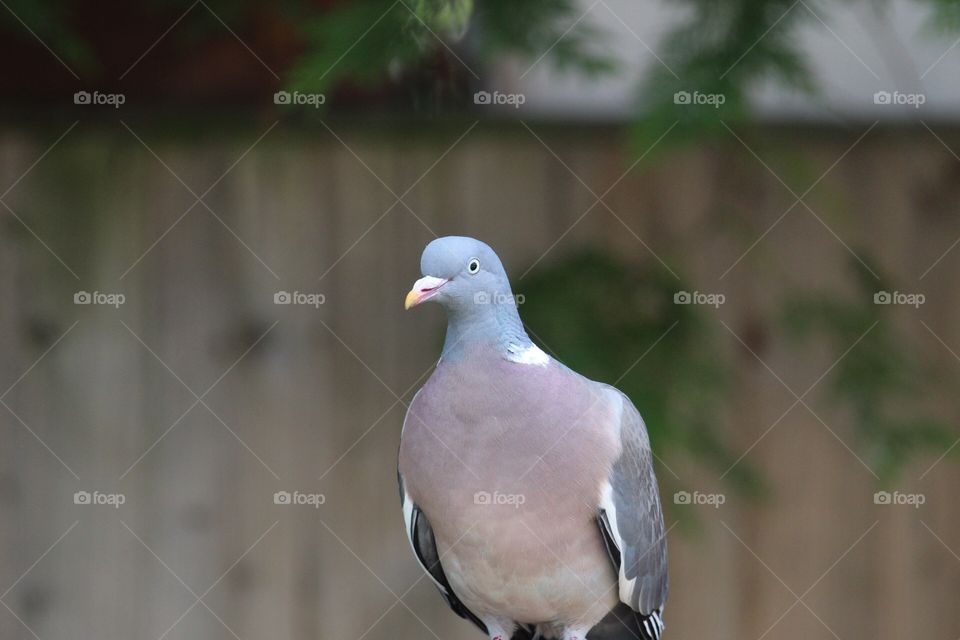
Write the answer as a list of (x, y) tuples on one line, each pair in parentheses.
[(99, 297), (696, 297), (696, 98), (896, 498), (899, 298), (99, 498), (497, 98), (484, 297), (898, 98), (299, 297), (97, 98), (298, 498), (485, 498), (298, 98), (696, 498)]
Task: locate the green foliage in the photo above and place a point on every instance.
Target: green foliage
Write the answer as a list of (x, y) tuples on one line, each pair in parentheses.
[(361, 42), (945, 18), (617, 323), (723, 49), (880, 380), (357, 41), (536, 28), (448, 18), (48, 21)]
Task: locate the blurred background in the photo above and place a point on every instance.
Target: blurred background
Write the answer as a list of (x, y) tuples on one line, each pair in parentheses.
[(743, 214)]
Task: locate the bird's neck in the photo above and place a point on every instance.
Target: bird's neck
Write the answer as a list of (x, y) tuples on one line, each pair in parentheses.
[(495, 326)]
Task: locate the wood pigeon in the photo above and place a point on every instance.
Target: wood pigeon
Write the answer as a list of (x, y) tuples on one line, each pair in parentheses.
[(528, 490)]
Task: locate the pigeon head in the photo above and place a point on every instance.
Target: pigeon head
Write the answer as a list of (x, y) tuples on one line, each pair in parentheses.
[(467, 278), (461, 274)]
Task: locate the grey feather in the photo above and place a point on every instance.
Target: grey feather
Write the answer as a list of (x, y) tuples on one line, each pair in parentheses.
[(424, 546), (640, 535)]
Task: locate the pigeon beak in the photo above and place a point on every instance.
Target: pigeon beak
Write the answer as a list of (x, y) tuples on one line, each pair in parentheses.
[(423, 289)]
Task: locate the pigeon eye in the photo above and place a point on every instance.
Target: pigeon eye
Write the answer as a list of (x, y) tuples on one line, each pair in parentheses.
[(473, 266)]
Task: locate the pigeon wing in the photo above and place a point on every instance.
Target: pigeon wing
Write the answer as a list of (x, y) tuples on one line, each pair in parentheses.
[(631, 523), (425, 549)]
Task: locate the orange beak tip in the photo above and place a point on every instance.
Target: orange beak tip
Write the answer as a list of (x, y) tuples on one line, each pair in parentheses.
[(423, 289), (413, 297)]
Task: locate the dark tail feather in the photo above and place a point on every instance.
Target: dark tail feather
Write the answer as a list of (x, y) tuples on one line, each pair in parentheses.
[(523, 632), (623, 623)]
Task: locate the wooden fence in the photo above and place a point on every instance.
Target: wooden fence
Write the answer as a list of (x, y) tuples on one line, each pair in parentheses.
[(198, 399)]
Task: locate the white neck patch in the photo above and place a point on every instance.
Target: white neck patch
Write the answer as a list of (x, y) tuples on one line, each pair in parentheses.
[(527, 355)]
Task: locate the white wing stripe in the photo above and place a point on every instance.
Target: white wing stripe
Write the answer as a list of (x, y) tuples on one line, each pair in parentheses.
[(606, 503), (408, 507)]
